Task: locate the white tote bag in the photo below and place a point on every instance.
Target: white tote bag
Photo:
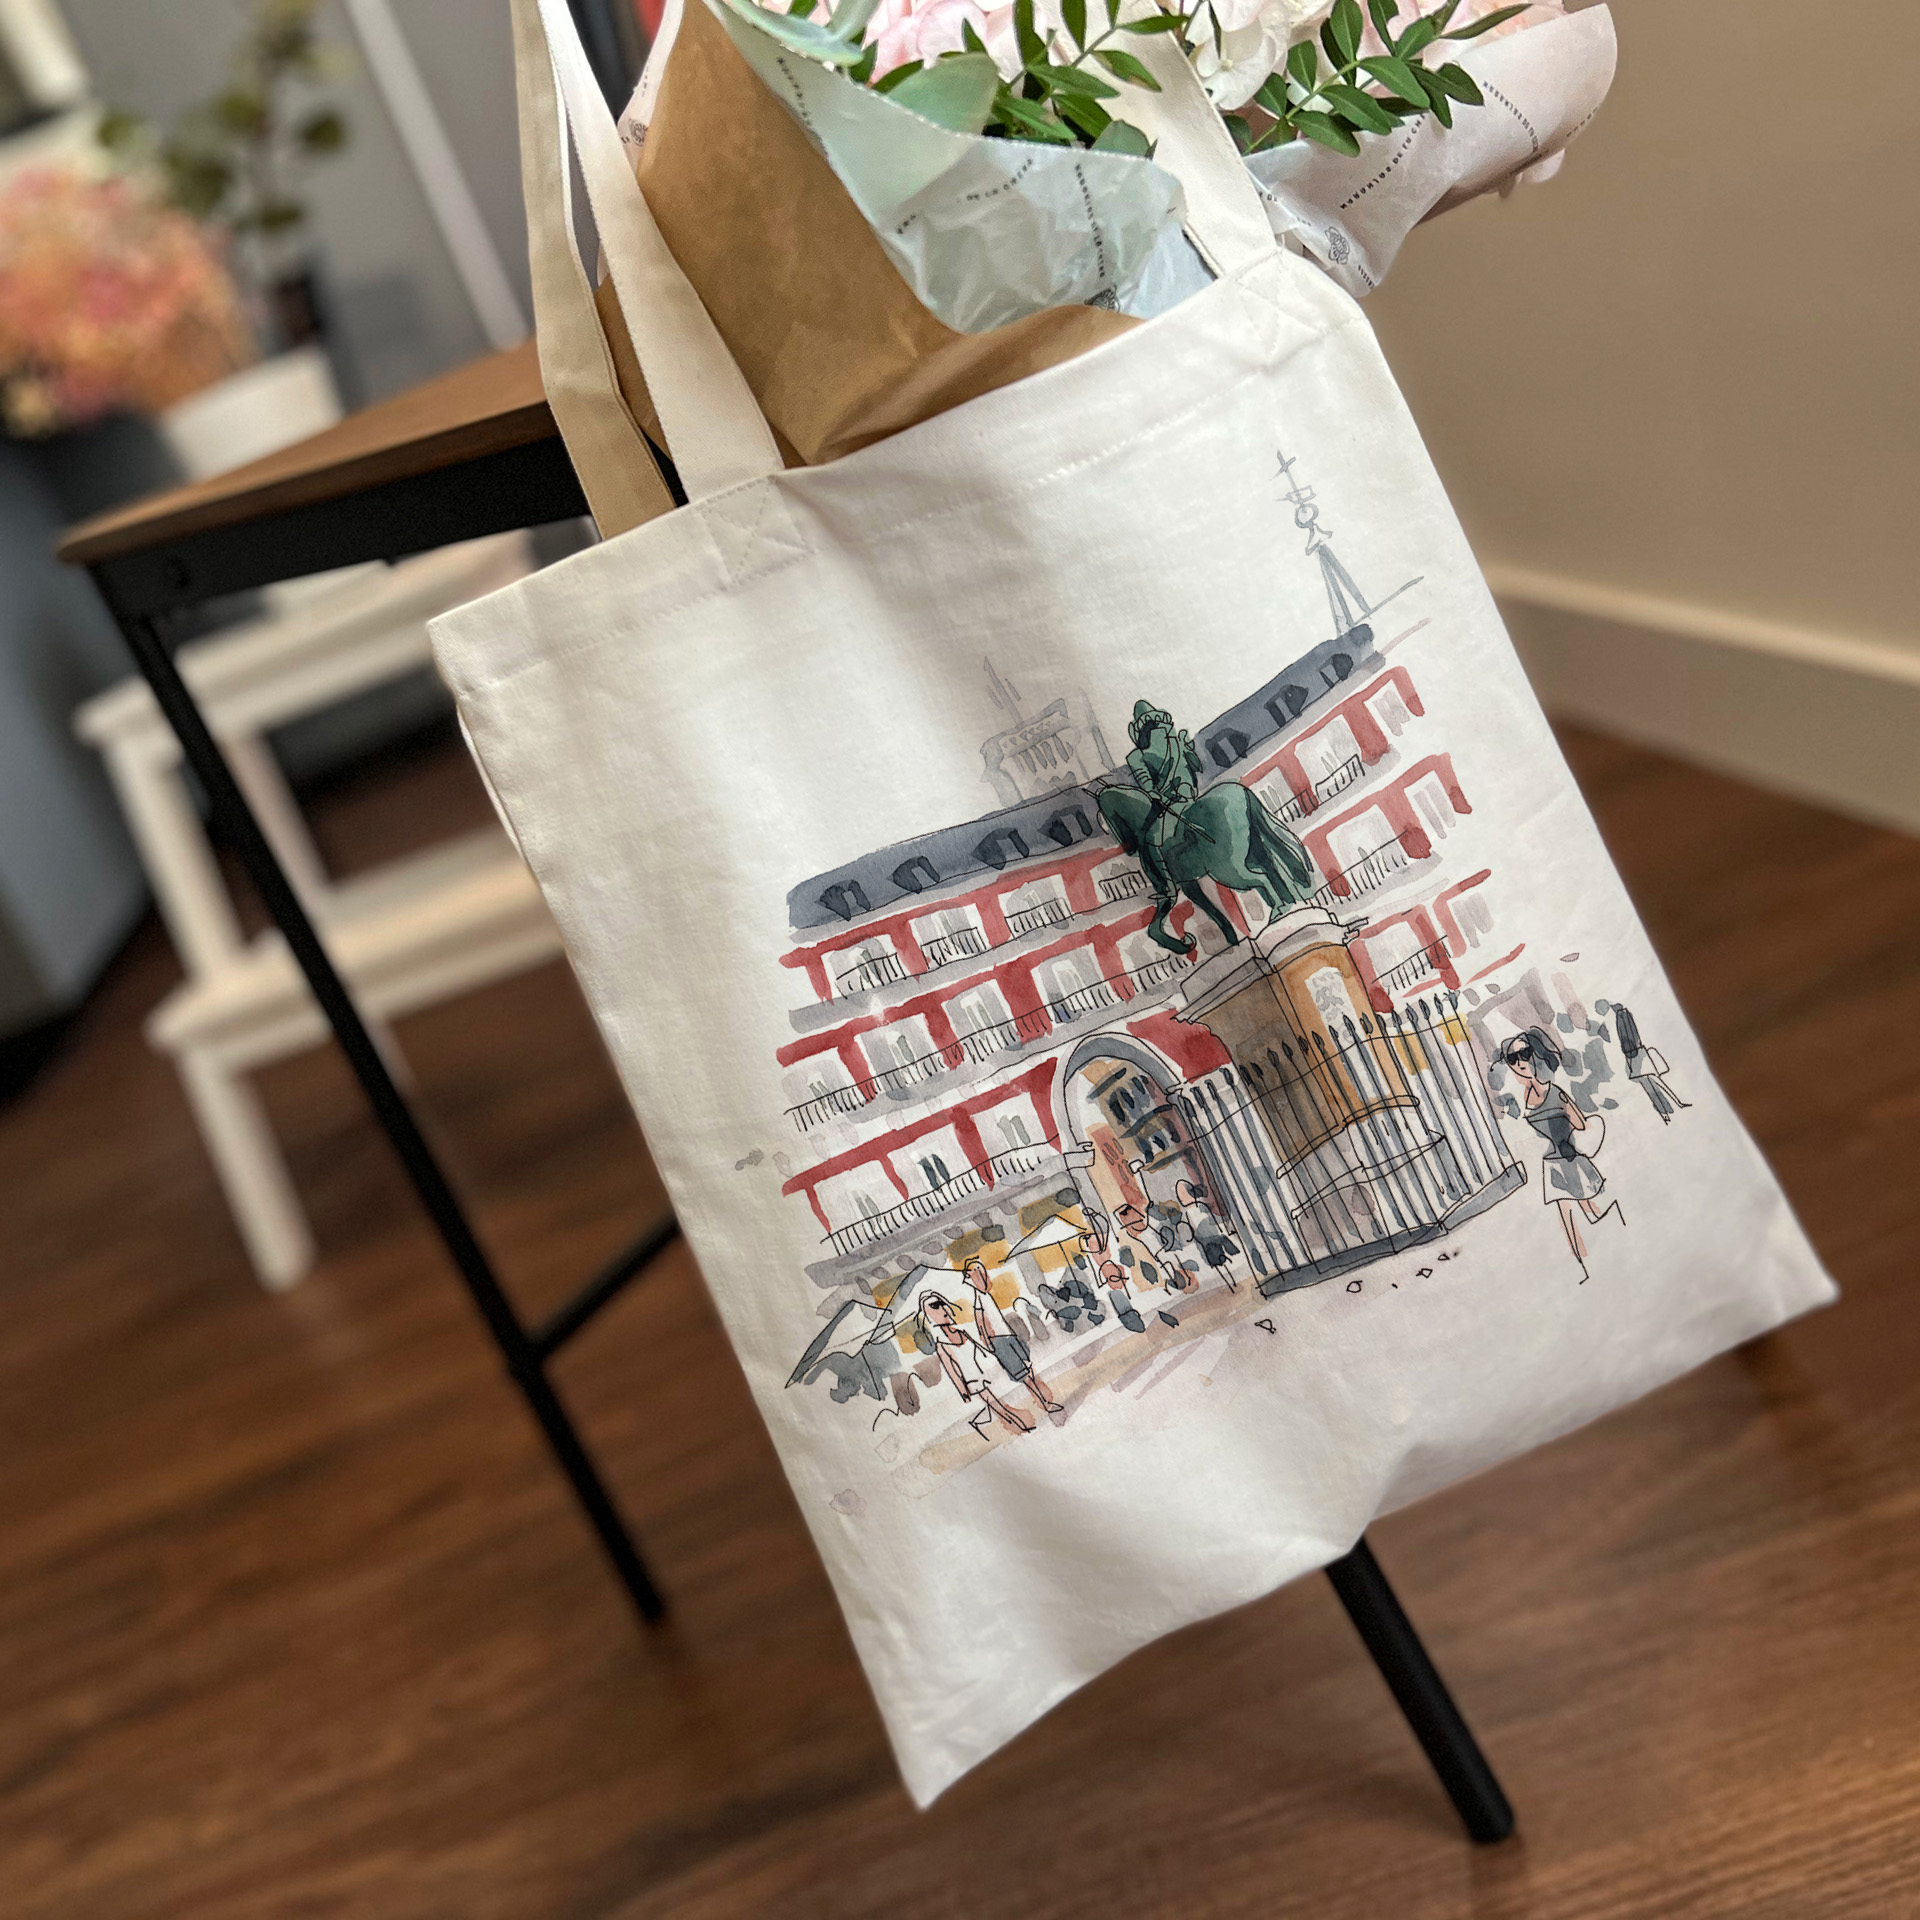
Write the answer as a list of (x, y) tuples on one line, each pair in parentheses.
[(1123, 991)]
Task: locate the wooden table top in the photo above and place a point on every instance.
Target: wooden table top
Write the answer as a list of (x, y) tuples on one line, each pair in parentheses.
[(487, 406)]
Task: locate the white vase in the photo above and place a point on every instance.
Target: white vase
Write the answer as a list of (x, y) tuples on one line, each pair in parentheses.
[(252, 413)]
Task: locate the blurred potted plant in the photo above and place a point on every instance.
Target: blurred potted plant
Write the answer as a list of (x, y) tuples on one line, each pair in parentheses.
[(238, 159)]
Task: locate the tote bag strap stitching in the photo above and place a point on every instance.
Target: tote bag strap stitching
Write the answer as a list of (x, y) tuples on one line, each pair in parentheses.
[(713, 426)]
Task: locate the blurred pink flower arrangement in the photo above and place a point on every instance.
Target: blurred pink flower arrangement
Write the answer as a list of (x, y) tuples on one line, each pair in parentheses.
[(110, 301)]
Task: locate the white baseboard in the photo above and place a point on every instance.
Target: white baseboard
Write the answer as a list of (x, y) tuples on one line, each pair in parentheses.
[(1818, 715)]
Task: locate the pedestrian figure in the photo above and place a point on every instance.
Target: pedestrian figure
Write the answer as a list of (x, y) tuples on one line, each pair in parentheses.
[(996, 1333), (1568, 1177), (1216, 1245), (1113, 1276), (1647, 1066), (962, 1357)]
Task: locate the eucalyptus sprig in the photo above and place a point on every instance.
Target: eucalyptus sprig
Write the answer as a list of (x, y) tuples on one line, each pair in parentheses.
[(1335, 106), (1066, 102)]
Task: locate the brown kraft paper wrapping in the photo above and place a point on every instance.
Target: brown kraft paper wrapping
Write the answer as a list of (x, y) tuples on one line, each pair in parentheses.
[(835, 346)]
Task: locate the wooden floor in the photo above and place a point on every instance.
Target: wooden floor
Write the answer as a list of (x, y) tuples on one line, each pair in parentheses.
[(296, 1619)]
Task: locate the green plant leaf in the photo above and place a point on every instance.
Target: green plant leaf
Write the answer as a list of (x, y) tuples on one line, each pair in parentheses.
[(1123, 66), (1154, 23), (895, 76), (1327, 131), (1242, 133), (801, 9), (324, 131), (1393, 72), (1442, 106), (1122, 137), (1273, 96), (862, 69), (1303, 62), (1487, 22), (970, 40), (1383, 12), (956, 93), (240, 111), (1347, 25), (1442, 16), (1083, 112), (1361, 109), (1033, 50), (1113, 13), (1458, 82), (1422, 34), (1076, 80), (119, 129), (1027, 122), (1073, 14)]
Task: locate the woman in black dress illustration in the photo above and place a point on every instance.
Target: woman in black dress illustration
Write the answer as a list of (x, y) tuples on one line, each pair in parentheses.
[(1568, 1177)]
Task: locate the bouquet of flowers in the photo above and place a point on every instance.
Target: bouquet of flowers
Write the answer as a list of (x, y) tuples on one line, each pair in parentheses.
[(109, 301)]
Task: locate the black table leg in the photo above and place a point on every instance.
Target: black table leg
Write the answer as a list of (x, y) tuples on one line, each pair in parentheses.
[(526, 1355), (1423, 1697)]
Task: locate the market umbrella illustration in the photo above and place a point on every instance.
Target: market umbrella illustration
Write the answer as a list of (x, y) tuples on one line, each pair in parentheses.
[(860, 1324), (1052, 1233)]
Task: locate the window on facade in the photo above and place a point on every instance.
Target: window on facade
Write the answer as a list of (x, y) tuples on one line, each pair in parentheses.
[(1329, 751), (1353, 840), (1473, 916), (869, 1207), (1013, 1130), (1429, 794), (1389, 710), (935, 1170)]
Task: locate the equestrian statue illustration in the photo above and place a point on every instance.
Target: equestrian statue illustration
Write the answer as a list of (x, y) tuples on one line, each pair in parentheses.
[(1181, 836)]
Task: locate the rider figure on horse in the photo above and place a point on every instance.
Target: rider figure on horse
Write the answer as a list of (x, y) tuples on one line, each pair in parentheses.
[(1166, 768)]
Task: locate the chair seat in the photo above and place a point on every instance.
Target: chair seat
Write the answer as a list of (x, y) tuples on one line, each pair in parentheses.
[(405, 935)]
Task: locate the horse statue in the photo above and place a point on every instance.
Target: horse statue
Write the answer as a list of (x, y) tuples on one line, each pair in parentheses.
[(1181, 836)]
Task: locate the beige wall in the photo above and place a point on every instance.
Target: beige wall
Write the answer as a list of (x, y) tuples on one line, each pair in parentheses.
[(1684, 370)]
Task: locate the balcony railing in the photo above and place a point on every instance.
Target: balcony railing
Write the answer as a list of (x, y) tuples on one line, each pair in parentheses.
[(1049, 913), (1126, 885), (985, 1043), (967, 943), (1404, 977), (1003, 1036), (873, 1228), (877, 970), (1371, 870), (1296, 808), (1082, 1001)]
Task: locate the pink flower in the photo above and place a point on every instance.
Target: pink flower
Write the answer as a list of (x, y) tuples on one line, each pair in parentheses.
[(903, 30)]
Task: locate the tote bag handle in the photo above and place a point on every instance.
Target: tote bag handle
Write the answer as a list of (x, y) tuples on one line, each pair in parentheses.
[(716, 434)]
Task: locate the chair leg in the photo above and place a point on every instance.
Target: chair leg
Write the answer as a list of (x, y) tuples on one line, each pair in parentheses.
[(254, 1177)]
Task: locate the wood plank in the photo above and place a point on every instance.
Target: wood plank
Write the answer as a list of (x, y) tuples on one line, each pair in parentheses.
[(296, 1618), (484, 407)]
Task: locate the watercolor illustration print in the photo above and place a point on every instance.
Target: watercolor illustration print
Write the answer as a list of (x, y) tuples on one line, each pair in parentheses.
[(963, 1359), (1113, 1276), (1647, 1067), (1182, 836), (1203, 1228), (1009, 1349), (1569, 1178)]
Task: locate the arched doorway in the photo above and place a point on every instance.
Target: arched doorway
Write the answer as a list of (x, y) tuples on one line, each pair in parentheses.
[(1128, 1145)]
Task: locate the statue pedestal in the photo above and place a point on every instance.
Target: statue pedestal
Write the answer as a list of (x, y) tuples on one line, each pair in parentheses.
[(1327, 1145)]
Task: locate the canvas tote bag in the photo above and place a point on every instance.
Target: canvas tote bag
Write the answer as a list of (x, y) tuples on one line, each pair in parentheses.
[(1118, 980)]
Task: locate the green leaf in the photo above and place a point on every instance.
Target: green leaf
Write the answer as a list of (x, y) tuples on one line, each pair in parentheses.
[(322, 132), (801, 9), (1327, 131), (862, 69), (1486, 23), (1033, 50), (1273, 96), (240, 111), (1027, 122), (118, 128), (1361, 109), (1242, 133), (1442, 107), (1076, 80), (1422, 34), (1123, 66), (837, 44), (895, 76), (1073, 14), (1121, 137), (1347, 25), (970, 40), (1154, 23), (956, 93), (1394, 72), (1303, 62), (1383, 12), (1441, 16), (1078, 110), (1113, 13), (1458, 82), (1276, 135)]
